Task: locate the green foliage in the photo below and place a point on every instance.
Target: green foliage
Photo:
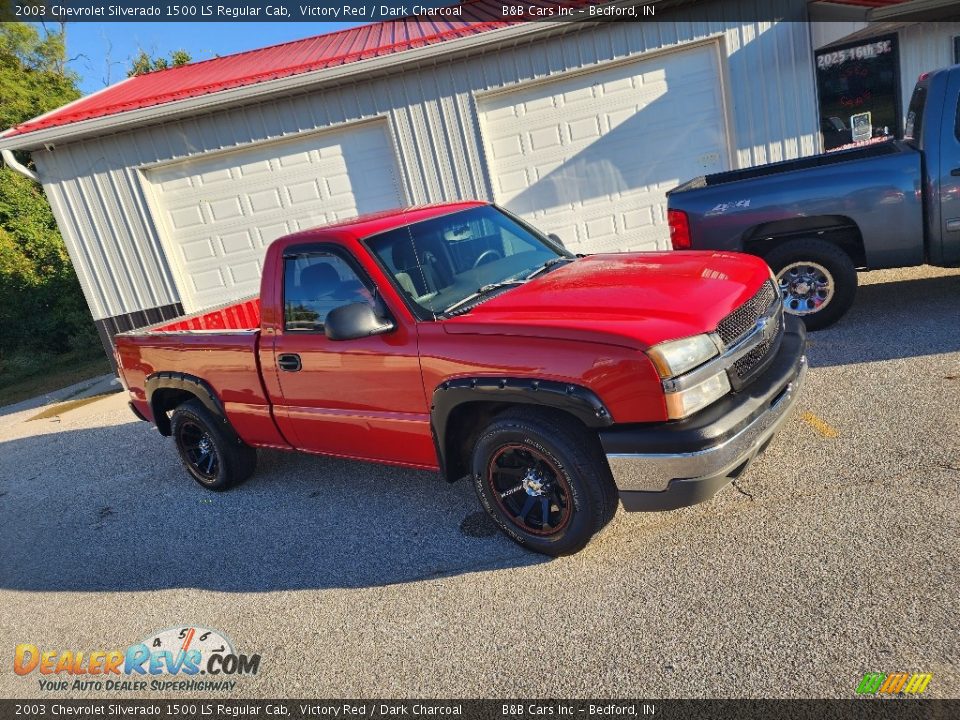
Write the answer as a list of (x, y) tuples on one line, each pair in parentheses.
[(41, 305), (143, 63), (32, 75), (179, 57)]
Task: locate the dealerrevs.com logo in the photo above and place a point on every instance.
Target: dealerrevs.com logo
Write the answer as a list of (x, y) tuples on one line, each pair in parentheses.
[(179, 658)]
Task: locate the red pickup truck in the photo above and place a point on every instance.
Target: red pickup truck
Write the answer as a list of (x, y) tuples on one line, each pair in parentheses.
[(458, 338)]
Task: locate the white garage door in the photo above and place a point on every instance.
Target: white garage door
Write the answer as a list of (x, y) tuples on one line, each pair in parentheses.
[(218, 214), (590, 157)]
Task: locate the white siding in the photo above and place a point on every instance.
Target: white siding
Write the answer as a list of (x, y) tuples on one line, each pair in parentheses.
[(924, 47), (99, 201), (825, 32)]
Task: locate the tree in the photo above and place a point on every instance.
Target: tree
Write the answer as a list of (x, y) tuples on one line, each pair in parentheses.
[(33, 79), (41, 304), (144, 63)]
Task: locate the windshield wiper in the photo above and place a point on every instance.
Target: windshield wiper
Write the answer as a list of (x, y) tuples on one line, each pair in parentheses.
[(483, 290), (549, 264), (492, 287)]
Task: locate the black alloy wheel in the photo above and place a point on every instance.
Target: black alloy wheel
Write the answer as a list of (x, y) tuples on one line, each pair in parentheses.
[(530, 490), (200, 451)]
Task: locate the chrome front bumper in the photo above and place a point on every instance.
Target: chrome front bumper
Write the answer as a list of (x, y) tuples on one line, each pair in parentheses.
[(672, 479)]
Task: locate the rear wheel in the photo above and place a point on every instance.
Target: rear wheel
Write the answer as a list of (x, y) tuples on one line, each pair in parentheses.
[(817, 280), (544, 481), (209, 452)]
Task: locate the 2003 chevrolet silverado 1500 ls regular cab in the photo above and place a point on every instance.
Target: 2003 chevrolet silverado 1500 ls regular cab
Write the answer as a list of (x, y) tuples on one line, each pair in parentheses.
[(817, 220), (458, 338)]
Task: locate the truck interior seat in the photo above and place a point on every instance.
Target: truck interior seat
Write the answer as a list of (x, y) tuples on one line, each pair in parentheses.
[(319, 280), (416, 275)]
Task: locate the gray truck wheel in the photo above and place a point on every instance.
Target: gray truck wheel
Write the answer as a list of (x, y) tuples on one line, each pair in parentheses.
[(543, 480), (817, 280), (208, 452)]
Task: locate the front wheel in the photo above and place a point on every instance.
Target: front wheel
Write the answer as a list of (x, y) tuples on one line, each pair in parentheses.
[(544, 481), (817, 280)]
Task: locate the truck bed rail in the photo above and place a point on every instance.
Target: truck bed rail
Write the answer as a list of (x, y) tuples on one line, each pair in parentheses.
[(237, 316)]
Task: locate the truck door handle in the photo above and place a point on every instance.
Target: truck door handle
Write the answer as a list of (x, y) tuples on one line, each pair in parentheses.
[(955, 172), (289, 362)]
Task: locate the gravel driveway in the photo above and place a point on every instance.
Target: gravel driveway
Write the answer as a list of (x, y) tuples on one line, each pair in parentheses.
[(837, 554)]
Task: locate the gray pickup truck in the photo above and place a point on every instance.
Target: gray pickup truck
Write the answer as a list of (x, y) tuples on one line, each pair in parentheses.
[(818, 220)]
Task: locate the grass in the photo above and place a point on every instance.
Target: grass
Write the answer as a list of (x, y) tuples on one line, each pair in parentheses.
[(50, 372)]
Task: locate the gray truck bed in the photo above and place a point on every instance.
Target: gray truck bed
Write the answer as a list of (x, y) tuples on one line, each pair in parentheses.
[(872, 190), (825, 160)]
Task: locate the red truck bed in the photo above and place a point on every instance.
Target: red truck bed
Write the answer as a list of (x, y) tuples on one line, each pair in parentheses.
[(220, 346), (243, 315)]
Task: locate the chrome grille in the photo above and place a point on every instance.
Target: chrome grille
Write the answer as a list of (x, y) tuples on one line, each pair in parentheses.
[(749, 339), (745, 365), (742, 320)]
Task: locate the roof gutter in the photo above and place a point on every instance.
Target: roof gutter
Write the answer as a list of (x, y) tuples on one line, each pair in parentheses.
[(291, 84), (11, 162)]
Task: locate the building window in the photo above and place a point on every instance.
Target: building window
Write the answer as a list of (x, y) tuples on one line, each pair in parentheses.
[(859, 89)]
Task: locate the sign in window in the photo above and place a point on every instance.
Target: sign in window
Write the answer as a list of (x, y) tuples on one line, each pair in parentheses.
[(859, 90)]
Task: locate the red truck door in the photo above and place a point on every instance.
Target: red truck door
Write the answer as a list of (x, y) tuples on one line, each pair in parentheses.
[(358, 398)]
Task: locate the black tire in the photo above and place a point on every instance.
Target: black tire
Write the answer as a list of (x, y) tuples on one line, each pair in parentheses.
[(568, 463), (801, 259), (208, 449)]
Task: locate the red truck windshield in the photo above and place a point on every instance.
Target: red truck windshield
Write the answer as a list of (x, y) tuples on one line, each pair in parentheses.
[(439, 262)]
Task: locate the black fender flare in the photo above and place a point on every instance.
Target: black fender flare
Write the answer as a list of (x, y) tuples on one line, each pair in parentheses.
[(191, 384), (581, 402)]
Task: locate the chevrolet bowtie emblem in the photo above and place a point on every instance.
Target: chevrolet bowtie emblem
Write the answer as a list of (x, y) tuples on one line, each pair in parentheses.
[(766, 327)]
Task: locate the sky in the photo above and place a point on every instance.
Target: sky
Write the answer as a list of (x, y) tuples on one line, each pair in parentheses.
[(100, 53)]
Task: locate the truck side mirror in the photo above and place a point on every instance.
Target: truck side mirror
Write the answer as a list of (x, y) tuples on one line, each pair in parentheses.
[(556, 239), (356, 320)]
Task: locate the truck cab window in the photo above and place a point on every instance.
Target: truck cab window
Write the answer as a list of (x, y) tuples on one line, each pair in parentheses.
[(315, 284), (914, 121), (438, 262)]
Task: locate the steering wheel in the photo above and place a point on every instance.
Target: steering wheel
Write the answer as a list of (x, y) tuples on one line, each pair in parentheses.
[(487, 256)]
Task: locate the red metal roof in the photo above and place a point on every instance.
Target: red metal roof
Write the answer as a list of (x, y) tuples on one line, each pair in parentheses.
[(277, 61)]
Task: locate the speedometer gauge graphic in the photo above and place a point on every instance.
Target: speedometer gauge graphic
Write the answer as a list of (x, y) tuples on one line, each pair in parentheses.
[(186, 638)]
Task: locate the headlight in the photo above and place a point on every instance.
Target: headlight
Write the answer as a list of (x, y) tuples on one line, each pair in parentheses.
[(677, 356), (686, 402)]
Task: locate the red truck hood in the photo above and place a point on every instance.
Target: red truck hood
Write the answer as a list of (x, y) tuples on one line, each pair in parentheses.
[(630, 299)]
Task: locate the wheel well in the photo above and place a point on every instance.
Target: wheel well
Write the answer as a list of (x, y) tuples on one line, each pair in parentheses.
[(163, 401), (837, 230), (166, 390), (468, 419)]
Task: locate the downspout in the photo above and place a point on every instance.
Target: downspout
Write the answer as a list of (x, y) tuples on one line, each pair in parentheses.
[(11, 162)]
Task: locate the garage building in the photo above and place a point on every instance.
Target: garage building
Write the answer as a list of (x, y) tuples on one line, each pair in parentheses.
[(167, 187)]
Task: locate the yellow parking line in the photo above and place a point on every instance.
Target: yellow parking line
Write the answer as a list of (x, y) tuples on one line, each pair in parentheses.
[(820, 425)]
